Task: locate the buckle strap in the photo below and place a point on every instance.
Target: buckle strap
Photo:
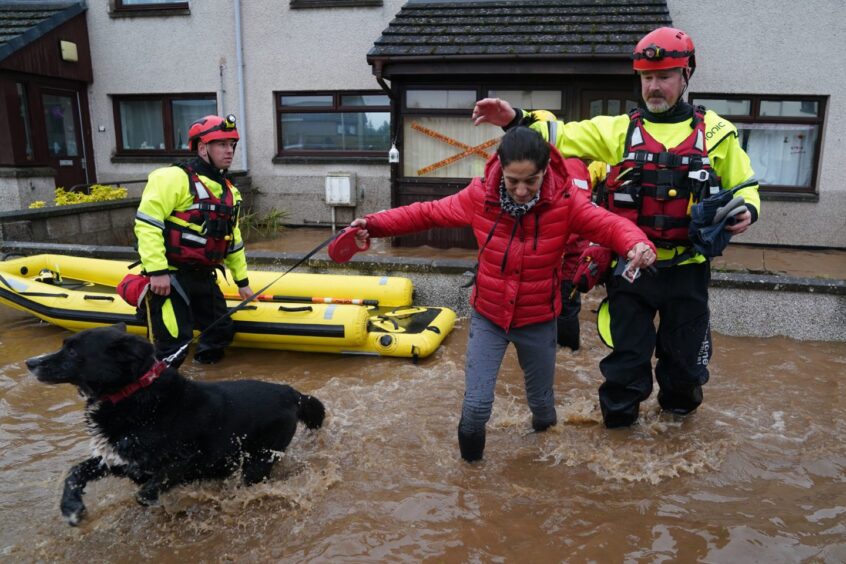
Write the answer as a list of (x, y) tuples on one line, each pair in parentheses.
[(663, 221), (210, 207), (664, 158), (666, 192)]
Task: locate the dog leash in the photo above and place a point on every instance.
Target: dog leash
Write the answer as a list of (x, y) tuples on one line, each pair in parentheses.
[(169, 360)]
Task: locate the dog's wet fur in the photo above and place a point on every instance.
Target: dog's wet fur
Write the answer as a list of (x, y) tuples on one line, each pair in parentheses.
[(175, 430)]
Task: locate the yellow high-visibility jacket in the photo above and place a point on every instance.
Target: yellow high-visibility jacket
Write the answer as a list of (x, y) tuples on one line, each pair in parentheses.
[(167, 191), (603, 138)]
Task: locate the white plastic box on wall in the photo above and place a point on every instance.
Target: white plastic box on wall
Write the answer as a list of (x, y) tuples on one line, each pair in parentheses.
[(340, 189)]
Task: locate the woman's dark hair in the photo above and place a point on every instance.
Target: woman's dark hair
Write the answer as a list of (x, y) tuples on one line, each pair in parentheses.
[(523, 144)]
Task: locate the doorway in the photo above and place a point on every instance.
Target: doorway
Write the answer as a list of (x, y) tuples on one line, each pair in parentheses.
[(63, 134)]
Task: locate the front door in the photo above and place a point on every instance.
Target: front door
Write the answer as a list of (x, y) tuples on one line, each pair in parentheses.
[(65, 149)]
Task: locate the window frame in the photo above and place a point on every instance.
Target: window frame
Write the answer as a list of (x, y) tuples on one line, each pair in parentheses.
[(336, 107), (311, 4), (754, 117), (167, 122), (119, 8)]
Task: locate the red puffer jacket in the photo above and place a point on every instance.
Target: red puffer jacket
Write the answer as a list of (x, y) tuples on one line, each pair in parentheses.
[(519, 275)]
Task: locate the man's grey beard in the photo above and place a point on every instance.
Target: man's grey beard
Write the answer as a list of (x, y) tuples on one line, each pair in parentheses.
[(658, 108)]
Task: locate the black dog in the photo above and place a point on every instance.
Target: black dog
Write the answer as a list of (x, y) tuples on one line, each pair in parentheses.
[(160, 429)]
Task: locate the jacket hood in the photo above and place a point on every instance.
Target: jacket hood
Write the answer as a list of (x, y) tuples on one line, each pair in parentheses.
[(553, 181)]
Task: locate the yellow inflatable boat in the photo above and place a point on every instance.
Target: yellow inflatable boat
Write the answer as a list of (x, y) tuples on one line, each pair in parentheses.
[(300, 312)]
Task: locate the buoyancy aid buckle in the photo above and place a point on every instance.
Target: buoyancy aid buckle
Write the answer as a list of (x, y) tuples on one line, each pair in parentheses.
[(668, 160), (641, 157), (222, 209), (698, 175), (216, 228)]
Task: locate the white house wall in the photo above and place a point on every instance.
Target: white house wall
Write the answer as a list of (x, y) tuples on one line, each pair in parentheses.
[(284, 49), (769, 47), (149, 55), (313, 49), (780, 47)]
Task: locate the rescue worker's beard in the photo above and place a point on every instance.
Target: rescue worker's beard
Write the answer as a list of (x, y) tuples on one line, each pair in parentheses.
[(658, 108)]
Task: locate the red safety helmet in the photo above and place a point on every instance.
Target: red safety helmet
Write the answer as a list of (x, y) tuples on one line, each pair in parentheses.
[(665, 48), (212, 128)]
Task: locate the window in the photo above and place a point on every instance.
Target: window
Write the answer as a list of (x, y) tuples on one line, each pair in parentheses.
[(59, 122), (781, 135), (334, 3), (551, 100), (137, 5), (158, 124), (439, 140), (443, 99), (333, 124)]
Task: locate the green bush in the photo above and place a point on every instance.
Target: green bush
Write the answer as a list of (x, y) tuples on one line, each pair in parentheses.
[(254, 226), (98, 193)]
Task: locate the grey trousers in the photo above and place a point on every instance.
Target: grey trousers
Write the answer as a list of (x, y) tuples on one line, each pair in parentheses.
[(536, 348)]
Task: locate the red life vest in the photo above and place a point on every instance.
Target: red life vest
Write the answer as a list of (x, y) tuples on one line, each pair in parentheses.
[(214, 218), (654, 186)]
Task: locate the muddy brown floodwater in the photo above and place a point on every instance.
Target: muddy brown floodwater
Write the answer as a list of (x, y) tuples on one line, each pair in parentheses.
[(758, 474)]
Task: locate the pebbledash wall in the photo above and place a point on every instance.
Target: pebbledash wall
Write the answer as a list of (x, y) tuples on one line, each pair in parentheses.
[(284, 49), (777, 48), (741, 48)]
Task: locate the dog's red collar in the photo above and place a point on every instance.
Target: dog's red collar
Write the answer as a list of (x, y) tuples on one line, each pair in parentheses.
[(144, 381)]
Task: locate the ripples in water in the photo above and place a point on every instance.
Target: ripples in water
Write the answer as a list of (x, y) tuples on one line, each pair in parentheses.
[(756, 474)]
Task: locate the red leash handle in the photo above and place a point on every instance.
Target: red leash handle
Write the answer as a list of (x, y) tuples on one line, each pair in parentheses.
[(345, 245)]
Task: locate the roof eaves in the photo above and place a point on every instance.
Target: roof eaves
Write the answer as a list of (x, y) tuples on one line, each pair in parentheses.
[(42, 28)]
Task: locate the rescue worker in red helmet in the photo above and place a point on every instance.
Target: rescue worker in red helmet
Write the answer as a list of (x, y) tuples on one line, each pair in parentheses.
[(187, 230), (668, 156)]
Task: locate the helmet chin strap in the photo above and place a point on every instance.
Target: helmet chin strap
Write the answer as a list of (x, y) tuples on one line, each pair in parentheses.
[(208, 158)]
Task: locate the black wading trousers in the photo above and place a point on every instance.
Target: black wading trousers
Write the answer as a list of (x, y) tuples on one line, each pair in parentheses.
[(682, 342), (207, 304)]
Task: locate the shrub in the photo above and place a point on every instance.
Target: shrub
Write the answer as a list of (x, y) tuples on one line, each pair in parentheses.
[(98, 193), (262, 227)]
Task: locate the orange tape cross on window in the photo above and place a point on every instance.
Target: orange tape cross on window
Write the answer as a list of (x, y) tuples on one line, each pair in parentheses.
[(478, 150)]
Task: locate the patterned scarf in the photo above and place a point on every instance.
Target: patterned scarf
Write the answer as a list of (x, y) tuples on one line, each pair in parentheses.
[(511, 207)]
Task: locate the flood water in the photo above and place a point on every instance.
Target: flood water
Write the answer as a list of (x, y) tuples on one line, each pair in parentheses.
[(758, 474)]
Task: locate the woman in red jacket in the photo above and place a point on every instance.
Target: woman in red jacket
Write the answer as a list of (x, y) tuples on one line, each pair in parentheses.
[(522, 214)]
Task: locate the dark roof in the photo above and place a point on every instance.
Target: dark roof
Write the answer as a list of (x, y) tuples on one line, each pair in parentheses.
[(519, 28), (23, 23)]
